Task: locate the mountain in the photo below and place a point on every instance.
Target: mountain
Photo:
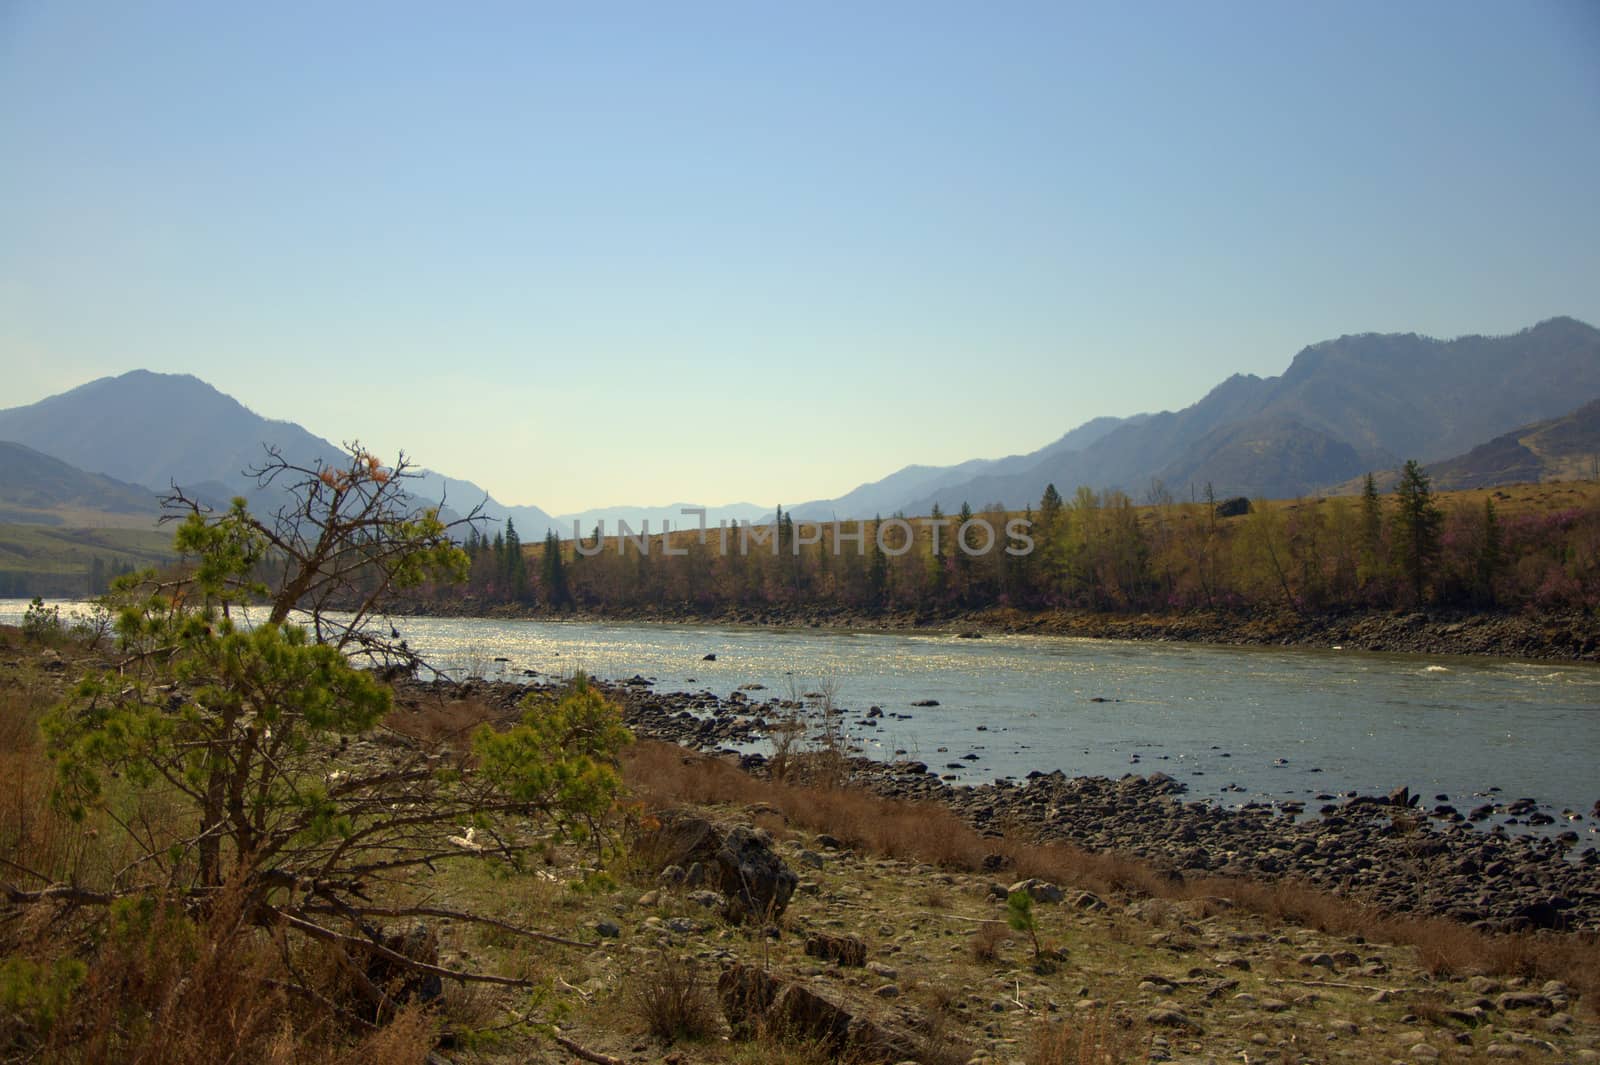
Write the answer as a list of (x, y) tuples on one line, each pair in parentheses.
[(157, 430), (1276, 456), (889, 494), (36, 489), (1557, 449), (892, 493), (1343, 406), (458, 496), (585, 520)]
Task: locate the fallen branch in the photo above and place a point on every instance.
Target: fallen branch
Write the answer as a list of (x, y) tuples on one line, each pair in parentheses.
[(958, 917), (343, 910), (57, 893), (584, 1052), (1352, 987), (321, 1000), (328, 935)]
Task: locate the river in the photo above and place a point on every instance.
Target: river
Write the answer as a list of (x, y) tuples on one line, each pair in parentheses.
[(1235, 724)]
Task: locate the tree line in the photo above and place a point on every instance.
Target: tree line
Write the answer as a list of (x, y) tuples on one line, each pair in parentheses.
[(1092, 550), (95, 579)]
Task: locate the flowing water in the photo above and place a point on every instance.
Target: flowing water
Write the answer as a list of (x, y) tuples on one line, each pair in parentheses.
[(1235, 724)]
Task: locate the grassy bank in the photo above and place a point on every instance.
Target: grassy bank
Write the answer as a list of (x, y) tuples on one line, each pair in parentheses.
[(62, 561)]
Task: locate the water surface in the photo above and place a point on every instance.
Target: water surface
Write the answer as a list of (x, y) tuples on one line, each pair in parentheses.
[(1235, 724)]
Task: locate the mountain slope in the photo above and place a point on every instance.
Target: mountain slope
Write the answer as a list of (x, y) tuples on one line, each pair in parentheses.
[(1557, 449), (161, 429), (1275, 456), (37, 489), (894, 492), (585, 520), (1383, 397), (156, 429)]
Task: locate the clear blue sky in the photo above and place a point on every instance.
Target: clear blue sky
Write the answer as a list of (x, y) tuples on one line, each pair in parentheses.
[(602, 253)]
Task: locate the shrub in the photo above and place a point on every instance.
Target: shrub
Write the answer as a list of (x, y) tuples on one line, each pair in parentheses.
[(1092, 1039), (42, 624), (673, 1000)]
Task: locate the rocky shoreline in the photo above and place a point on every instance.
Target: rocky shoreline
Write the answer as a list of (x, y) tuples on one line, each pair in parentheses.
[(1567, 636), (1395, 851)]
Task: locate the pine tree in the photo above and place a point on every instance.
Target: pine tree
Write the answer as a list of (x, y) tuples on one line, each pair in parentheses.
[(1489, 553), (1049, 506), (878, 572), (937, 578), (1417, 522), (963, 559), (553, 574), (516, 567), (1371, 529)]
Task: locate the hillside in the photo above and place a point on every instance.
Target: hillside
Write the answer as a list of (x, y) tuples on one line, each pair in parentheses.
[(38, 489), (1343, 407), (50, 561), (892, 493), (1361, 402), (1559, 449), (158, 429), (1278, 455)]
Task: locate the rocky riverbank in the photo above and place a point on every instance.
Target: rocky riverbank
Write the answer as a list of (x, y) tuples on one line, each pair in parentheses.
[(1397, 851), (1567, 636)]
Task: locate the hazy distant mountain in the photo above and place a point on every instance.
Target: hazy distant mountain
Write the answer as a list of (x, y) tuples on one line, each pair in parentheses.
[(672, 512), (1275, 457), (889, 494), (157, 429), (1558, 449), (36, 489), (1343, 406), (460, 496), (895, 491)]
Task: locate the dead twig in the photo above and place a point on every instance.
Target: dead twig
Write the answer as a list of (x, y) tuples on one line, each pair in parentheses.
[(436, 911), (328, 935), (583, 1052)]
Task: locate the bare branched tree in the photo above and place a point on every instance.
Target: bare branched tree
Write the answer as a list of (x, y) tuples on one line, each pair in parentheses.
[(267, 735), (346, 540)]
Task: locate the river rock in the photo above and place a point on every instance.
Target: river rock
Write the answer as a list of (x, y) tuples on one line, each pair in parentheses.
[(847, 951), (1038, 890), (757, 883), (754, 1001)]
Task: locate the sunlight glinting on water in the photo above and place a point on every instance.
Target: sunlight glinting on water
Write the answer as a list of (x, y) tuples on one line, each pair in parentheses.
[(1234, 724)]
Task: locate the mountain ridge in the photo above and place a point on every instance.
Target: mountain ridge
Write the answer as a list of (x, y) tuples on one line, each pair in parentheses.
[(1386, 396), (156, 430), (1358, 402), (37, 489)]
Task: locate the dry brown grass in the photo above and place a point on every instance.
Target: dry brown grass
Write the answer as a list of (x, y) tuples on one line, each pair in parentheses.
[(663, 774), (673, 999), (38, 844), (1091, 1039), (167, 989), (440, 722), (148, 982), (986, 940)]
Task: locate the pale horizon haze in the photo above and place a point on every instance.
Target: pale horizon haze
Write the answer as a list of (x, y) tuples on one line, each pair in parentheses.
[(589, 255)]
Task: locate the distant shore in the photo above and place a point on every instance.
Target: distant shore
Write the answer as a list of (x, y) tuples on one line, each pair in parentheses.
[(1567, 636)]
